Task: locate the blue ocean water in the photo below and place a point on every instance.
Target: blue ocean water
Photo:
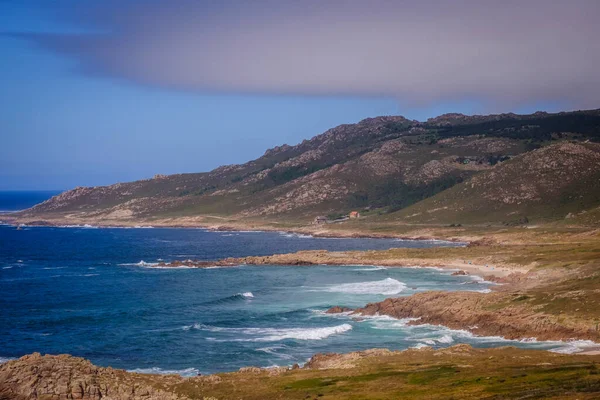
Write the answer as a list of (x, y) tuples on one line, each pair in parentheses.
[(11, 201), (93, 293)]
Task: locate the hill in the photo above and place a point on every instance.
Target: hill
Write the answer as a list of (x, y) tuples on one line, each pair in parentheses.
[(388, 164)]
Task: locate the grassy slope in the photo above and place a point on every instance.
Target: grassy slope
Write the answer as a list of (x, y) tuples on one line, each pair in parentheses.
[(546, 184), (460, 374)]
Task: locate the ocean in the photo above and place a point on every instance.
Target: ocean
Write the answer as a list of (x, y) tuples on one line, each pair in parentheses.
[(92, 292)]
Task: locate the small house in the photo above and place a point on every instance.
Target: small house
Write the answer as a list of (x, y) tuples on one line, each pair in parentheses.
[(320, 220), (354, 214)]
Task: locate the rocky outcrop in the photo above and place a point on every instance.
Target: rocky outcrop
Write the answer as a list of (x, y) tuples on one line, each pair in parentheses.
[(490, 314), (65, 377)]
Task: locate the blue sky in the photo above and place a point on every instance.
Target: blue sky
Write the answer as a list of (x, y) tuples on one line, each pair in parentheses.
[(97, 113)]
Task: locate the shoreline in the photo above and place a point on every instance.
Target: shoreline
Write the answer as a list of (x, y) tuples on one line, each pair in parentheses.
[(318, 231), (377, 372)]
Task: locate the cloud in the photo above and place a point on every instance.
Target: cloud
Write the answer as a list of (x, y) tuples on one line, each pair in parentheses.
[(509, 52)]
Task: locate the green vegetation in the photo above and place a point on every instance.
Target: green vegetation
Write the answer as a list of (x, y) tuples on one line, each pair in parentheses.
[(455, 373)]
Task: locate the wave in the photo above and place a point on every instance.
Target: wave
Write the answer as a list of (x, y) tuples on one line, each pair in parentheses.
[(142, 263), (295, 235), (6, 359), (9, 267), (187, 372), (479, 279), (374, 268), (277, 334), (84, 226), (230, 299), (387, 286), (50, 268), (273, 350)]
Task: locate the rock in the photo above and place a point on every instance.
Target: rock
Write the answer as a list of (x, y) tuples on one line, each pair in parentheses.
[(460, 273), (338, 310), (65, 377)]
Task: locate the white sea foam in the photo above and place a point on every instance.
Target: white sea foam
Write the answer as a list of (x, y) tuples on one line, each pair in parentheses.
[(374, 268), (274, 350), (386, 286), (296, 235), (276, 334), (247, 295), (142, 263), (574, 346), (481, 280), (85, 226), (156, 370), (6, 359)]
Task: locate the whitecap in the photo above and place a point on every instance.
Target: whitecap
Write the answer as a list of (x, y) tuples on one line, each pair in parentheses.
[(84, 226), (296, 235), (247, 295), (142, 263), (187, 372), (386, 286), (574, 346), (374, 268), (276, 334), (9, 267), (274, 350)]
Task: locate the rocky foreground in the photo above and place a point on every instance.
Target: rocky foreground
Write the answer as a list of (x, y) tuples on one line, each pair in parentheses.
[(459, 372)]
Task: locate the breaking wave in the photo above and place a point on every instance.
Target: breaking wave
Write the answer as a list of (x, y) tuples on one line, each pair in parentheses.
[(142, 263), (296, 235), (6, 359), (229, 299), (374, 268), (276, 334), (85, 226), (159, 371), (387, 286)]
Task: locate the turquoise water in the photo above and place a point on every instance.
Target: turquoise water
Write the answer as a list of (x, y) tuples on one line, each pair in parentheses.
[(92, 293)]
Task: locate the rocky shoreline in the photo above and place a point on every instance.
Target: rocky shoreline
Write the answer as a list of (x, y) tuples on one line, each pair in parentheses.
[(324, 376), (475, 312)]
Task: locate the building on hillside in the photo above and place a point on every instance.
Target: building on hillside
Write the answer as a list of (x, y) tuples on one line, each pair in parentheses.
[(320, 220), (354, 214)]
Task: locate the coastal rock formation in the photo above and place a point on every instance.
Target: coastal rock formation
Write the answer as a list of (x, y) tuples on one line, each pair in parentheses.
[(490, 314), (65, 377)]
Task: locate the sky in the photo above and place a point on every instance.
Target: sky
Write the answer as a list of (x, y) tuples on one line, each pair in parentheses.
[(95, 92)]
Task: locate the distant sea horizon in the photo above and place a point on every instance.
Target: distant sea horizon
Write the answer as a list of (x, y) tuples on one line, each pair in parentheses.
[(17, 200)]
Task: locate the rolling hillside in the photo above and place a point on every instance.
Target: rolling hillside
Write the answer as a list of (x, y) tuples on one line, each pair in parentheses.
[(453, 168)]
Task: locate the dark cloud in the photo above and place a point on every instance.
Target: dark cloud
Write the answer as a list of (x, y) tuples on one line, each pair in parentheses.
[(509, 52)]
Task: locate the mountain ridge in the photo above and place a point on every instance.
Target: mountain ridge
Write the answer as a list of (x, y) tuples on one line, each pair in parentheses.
[(386, 163)]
